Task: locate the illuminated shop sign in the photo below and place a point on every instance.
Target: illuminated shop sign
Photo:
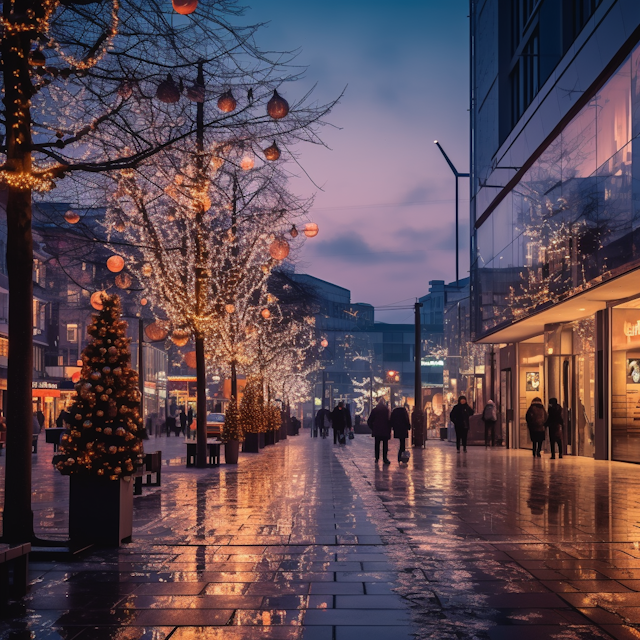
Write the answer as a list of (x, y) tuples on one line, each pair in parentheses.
[(632, 329), (43, 384), (433, 363)]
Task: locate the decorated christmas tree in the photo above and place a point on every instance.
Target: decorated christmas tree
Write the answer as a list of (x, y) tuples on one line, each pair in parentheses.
[(232, 429), (252, 415), (105, 416)]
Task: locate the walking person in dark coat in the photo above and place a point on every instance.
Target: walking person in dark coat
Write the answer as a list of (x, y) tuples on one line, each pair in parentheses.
[(401, 425), (536, 419), (381, 429), (460, 415), (183, 422), (555, 423), (340, 420), (489, 417)]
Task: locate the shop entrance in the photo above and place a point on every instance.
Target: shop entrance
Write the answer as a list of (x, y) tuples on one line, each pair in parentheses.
[(506, 406), (570, 378)]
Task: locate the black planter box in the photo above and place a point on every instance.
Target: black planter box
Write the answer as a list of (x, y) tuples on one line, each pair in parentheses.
[(251, 443), (100, 511), (261, 442)]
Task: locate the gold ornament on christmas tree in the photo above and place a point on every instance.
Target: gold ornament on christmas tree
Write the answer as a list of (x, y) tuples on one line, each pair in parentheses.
[(105, 424)]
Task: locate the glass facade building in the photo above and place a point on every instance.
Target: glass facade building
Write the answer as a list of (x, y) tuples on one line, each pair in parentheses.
[(555, 214)]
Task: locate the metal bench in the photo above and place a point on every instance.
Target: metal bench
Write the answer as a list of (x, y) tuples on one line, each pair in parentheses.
[(152, 466), (14, 569), (213, 453)]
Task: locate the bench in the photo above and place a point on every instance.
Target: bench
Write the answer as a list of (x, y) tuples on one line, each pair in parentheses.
[(53, 436), (152, 466), (213, 453), (14, 569)]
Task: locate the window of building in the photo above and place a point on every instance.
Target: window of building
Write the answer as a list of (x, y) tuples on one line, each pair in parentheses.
[(4, 347), (525, 77), (4, 307), (38, 359), (39, 317), (73, 294), (72, 333), (582, 11)]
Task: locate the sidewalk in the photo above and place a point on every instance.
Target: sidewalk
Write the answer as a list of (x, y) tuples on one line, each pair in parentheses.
[(312, 541)]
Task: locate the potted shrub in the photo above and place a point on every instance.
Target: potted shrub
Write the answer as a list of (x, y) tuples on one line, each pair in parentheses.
[(103, 448), (273, 423), (232, 433)]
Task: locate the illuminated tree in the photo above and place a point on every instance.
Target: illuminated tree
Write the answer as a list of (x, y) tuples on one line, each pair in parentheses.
[(253, 418), (105, 421), (232, 429), (85, 94)]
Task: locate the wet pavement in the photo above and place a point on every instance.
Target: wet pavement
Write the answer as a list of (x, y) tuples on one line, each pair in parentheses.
[(312, 541)]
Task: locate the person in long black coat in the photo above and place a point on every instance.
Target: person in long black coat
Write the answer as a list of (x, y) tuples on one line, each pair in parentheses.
[(555, 422), (340, 420), (536, 418), (380, 429), (401, 426), (460, 415)]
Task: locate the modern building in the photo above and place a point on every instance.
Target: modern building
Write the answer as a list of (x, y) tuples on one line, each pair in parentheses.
[(555, 214)]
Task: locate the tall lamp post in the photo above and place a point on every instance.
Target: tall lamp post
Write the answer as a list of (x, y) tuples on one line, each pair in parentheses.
[(457, 175)]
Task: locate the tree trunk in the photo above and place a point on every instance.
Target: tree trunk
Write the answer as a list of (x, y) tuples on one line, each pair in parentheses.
[(201, 405), (234, 381), (17, 515)]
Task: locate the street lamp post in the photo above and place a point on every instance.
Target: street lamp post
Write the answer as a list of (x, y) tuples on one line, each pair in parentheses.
[(457, 175)]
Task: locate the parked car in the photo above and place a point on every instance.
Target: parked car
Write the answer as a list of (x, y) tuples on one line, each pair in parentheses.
[(215, 422)]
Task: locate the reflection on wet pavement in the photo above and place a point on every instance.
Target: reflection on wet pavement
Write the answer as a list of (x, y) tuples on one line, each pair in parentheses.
[(312, 541)]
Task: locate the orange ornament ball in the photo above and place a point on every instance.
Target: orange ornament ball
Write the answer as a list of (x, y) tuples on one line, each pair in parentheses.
[(325, 342), (115, 264), (180, 337), (72, 217), (277, 107), (185, 7), (143, 301), (123, 281), (190, 359), (75, 377), (229, 308), (265, 313), (279, 249), (96, 300), (311, 230), (155, 332), (226, 102), (247, 163), (272, 153)]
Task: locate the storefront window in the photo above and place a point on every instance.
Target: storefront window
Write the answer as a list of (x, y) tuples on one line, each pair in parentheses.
[(625, 382)]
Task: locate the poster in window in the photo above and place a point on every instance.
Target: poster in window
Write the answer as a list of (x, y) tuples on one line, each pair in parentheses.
[(533, 381)]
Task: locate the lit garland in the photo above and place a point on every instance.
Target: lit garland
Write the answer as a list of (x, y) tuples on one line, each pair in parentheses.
[(105, 416), (252, 411)]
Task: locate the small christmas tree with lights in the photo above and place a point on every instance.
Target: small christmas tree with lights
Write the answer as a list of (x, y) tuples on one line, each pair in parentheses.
[(252, 416), (105, 421), (274, 419), (232, 429)]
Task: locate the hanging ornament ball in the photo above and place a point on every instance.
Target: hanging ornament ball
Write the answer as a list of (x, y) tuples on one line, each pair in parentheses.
[(143, 301), (247, 163), (147, 270), (120, 226), (75, 377), (72, 217), (265, 313), (37, 59), (96, 300), (156, 332), (195, 93), (226, 102), (115, 264), (277, 107), (279, 249), (185, 7), (168, 91), (294, 232), (311, 230), (180, 337), (325, 342), (272, 153), (229, 308), (123, 281), (190, 359)]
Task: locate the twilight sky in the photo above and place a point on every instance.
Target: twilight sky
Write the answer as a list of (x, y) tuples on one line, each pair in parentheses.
[(386, 209)]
